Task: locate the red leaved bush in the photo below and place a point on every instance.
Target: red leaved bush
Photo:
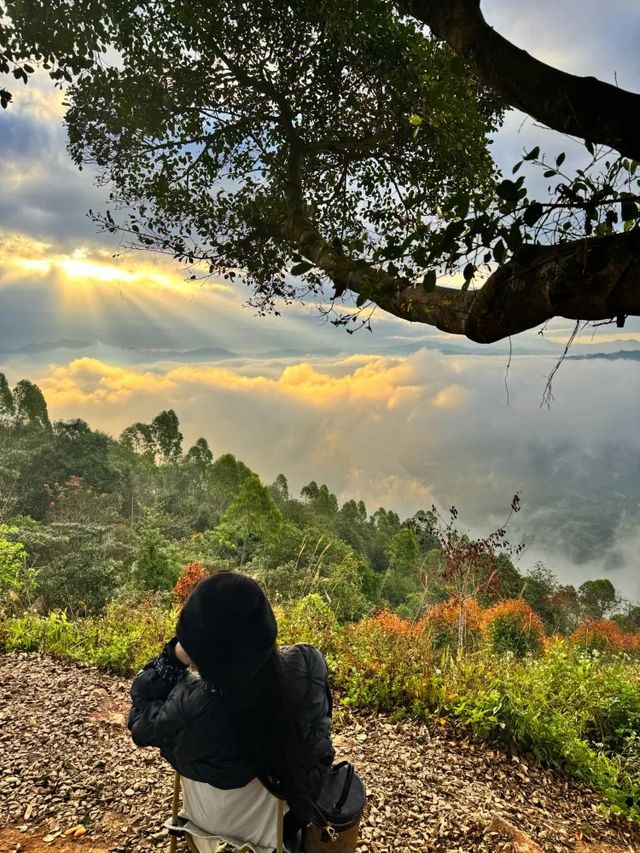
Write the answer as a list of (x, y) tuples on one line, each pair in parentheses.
[(191, 575), (603, 635), (443, 623), (513, 626)]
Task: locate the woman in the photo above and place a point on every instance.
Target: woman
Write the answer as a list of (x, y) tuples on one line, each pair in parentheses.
[(253, 722)]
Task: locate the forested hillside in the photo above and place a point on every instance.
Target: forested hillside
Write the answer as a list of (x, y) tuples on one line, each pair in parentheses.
[(86, 518)]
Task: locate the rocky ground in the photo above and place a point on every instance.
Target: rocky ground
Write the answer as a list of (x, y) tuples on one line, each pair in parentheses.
[(67, 761)]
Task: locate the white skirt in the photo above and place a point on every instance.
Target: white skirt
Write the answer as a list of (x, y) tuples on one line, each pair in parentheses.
[(241, 816)]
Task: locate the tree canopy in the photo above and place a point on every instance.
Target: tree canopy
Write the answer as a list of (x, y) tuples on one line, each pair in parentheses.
[(301, 142)]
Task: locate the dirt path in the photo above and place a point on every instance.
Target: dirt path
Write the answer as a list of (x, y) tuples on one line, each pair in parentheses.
[(66, 759)]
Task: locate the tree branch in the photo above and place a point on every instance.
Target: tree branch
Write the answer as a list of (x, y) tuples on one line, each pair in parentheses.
[(580, 106), (592, 279)]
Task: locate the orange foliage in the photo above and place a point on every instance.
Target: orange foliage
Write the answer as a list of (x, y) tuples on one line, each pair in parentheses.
[(442, 621), (516, 610), (604, 635), (512, 625), (191, 575), (390, 621)]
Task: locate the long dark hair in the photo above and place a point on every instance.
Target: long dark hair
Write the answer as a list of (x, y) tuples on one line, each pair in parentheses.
[(263, 715)]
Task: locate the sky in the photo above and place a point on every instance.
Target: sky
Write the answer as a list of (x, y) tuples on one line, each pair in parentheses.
[(403, 417)]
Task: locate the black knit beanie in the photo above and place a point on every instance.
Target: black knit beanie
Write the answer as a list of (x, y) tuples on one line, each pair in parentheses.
[(227, 628)]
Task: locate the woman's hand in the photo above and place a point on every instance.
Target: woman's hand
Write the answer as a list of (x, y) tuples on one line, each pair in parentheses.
[(182, 656)]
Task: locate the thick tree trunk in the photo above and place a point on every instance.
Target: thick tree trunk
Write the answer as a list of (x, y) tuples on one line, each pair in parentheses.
[(580, 106)]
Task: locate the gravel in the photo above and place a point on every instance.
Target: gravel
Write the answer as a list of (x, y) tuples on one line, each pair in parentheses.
[(67, 760)]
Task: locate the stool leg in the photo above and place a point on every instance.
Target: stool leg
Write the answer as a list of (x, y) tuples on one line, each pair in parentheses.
[(174, 810), (280, 826)]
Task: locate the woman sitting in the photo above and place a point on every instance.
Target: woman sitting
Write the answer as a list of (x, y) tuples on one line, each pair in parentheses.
[(252, 723)]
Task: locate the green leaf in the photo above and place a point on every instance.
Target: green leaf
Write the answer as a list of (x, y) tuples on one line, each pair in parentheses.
[(628, 210), (415, 120), (533, 154), (499, 251), (508, 191), (533, 212), (560, 159), (301, 269), (469, 272), (429, 281)]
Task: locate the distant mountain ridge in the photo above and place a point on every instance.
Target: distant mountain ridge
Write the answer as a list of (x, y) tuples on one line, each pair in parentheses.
[(622, 355)]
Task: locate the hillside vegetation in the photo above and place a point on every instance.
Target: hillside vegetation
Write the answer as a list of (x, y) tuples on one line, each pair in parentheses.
[(100, 541)]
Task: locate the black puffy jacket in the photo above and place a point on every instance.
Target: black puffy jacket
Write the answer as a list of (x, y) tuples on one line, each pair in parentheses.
[(175, 710)]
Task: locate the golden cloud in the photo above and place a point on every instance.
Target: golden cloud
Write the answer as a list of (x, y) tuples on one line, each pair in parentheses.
[(385, 381)]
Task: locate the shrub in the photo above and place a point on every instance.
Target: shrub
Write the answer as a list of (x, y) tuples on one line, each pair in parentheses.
[(512, 626), (192, 574), (309, 620), (384, 662), (603, 635), (443, 624), (17, 580), (121, 640)]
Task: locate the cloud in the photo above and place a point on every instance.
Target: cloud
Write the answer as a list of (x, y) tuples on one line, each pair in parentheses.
[(378, 381)]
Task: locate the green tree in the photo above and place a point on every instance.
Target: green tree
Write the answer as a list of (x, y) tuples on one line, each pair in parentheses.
[(7, 407), (30, 405), (166, 436), (320, 500), (598, 598), (226, 476), (540, 584), (85, 453), (629, 619), (402, 577), (138, 438), (199, 455), (156, 566), (249, 519), (280, 490)]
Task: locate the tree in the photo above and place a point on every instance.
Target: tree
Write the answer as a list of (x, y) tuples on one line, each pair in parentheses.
[(30, 405), (598, 598), (280, 490), (250, 518), (7, 407), (156, 566), (199, 455), (226, 476), (320, 500), (354, 144), (540, 585), (471, 567), (402, 577), (167, 438), (85, 453)]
